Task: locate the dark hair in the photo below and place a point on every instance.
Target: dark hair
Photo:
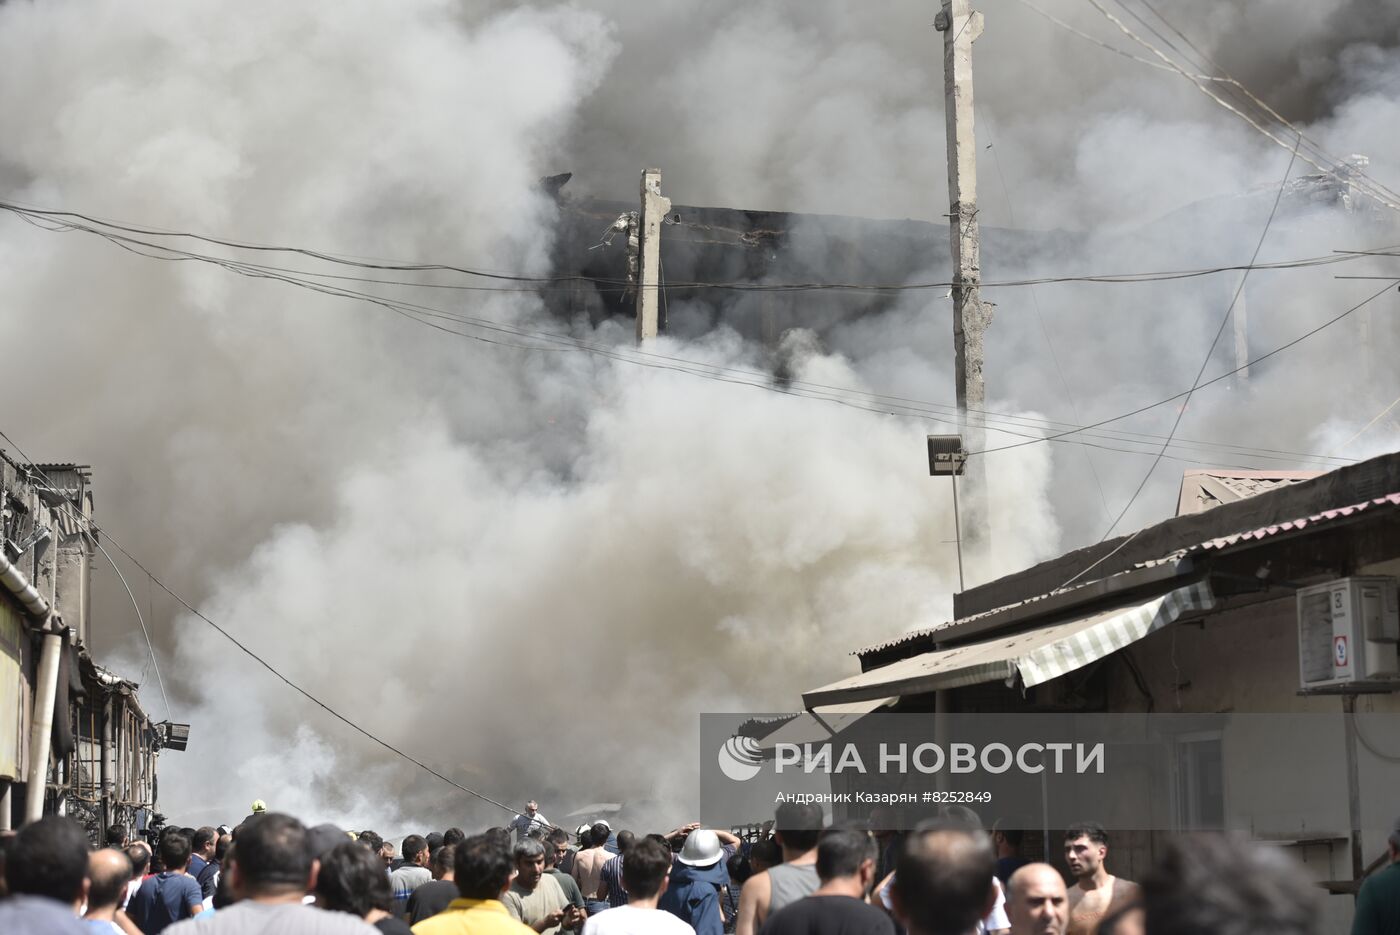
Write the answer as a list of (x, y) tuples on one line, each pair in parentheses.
[(767, 851), (600, 833), (502, 837), (482, 867), (221, 849), (625, 840), (48, 857), (352, 879), (841, 851), (105, 886), (434, 839), (943, 880), (644, 868), (140, 858), (560, 836), (443, 860), (453, 836), (1012, 836), (800, 824), (274, 852), (371, 840), (115, 835), (1222, 885), (174, 850), (202, 837), (413, 845), (1087, 829), (528, 849)]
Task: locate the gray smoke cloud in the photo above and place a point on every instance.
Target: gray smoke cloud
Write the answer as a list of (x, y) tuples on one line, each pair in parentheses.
[(531, 570)]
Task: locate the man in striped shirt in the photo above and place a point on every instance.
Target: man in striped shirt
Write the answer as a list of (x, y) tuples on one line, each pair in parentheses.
[(610, 888)]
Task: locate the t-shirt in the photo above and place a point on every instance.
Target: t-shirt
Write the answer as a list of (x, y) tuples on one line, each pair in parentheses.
[(430, 899), (103, 926), (1009, 865), (571, 891), (1378, 904), (254, 918), (631, 920), (612, 877), (522, 825), (37, 915), (164, 899), (472, 917), (404, 881), (531, 907), (828, 915)]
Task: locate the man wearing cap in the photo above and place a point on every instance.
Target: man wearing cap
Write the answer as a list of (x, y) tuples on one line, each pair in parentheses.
[(1378, 903), (698, 877)]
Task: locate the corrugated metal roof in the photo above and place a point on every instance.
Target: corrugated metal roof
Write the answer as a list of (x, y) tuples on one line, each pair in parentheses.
[(1204, 488), (1316, 519)]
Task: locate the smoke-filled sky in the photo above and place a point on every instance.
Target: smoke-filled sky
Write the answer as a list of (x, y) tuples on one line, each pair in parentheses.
[(532, 570)]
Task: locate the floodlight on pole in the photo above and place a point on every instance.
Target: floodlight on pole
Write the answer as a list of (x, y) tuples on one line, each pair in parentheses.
[(947, 458)]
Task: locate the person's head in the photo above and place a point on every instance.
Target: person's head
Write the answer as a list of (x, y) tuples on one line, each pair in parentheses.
[(370, 840), (531, 807), (645, 869), (797, 826), (1007, 841), (221, 849), (443, 862), (49, 858), (453, 836), (529, 863), (848, 856), (109, 871), (599, 834), (502, 836), (558, 842), (140, 856), (174, 850), (765, 854), (1036, 901), (482, 867), (943, 881), (625, 840), (551, 856), (434, 839), (1086, 846), (272, 858), (204, 842), (116, 836), (1224, 885), (415, 850), (352, 879)]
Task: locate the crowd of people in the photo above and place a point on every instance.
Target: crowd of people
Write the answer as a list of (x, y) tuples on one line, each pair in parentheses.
[(272, 874)]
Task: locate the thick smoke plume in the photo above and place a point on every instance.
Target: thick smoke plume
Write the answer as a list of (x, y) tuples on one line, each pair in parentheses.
[(531, 570)]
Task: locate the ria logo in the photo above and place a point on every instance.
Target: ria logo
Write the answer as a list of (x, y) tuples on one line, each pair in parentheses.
[(741, 758)]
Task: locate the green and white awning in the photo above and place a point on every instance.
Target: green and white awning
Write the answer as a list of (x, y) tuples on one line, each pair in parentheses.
[(1031, 658)]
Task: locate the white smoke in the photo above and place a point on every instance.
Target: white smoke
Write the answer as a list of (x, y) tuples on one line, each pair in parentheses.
[(532, 570)]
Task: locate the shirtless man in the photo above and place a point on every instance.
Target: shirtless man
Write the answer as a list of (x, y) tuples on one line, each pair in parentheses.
[(1096, 892)]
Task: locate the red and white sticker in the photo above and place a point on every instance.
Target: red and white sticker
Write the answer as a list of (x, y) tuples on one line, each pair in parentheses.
[(1339, 651)]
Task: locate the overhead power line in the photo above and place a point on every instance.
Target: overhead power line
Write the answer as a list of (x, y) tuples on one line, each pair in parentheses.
[(1210, 352), (94, 530), (533, 339)]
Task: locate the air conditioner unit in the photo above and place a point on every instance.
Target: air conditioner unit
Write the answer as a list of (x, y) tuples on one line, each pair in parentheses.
[(1349, 635)]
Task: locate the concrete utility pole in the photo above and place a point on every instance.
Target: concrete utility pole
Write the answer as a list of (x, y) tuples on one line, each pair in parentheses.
[(961, 26), (654, 208)]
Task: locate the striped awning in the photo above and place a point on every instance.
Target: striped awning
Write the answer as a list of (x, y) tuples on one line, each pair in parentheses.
[(1029, 658)]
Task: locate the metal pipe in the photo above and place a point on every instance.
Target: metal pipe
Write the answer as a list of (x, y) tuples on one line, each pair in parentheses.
[(108, 779), (19, 585), (45, 698), (6, 809)]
